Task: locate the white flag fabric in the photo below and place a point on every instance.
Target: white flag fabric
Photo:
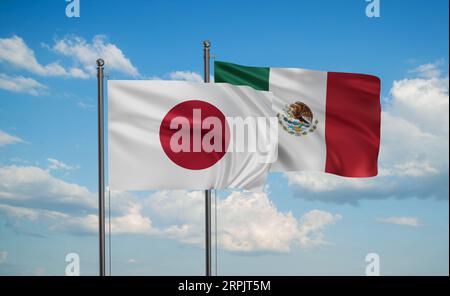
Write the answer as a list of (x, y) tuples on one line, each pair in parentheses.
[(178, 135)]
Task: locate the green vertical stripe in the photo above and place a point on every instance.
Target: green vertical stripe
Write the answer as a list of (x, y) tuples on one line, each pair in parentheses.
[(256, 77)]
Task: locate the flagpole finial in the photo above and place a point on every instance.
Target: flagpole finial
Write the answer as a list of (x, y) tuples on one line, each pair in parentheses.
[(100, 62), (206, 43)]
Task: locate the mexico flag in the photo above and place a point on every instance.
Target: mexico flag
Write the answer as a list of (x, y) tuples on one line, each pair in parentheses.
[(178, 135), (328, 121)]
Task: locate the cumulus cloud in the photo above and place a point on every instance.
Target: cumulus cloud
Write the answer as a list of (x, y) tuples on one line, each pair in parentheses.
[(54, 164), (7, 139), (414, 147), (133, 221), (315, 182), (404, 221), (30, 213), (429, 70), (22, 84), (423, 102), (83, 54), (77, 224), (186, 76), (86, 53), (15, 52), (248, 222), (33, 186), (312, 226), (181, 76)]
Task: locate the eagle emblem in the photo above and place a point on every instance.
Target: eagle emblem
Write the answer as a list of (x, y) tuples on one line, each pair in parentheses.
[(297, 119)]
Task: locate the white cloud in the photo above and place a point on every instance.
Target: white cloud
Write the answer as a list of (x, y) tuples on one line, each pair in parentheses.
[(181, 76), (18, 160), (404, 221), (7, 139), (423, 102), (86, 224), (251, 222), (413, 158), (415, 127), (132, 222), (83, 54), (84, 105), (30, 213), (312, 225), (15, 52), (320, 182), (186, 76), (22, 84), (55, 221), (415, 169), (248, 222), (32, 185), (429, 70), (86, 53), (405, 142), (3, 256), (54, 164), (78, 73)]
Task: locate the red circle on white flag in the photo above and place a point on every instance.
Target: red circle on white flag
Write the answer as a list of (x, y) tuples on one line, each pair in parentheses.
[(194, 134)]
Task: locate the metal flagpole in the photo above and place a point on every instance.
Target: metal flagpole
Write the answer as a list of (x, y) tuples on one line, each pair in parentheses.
[(208, 248), (101, 168)]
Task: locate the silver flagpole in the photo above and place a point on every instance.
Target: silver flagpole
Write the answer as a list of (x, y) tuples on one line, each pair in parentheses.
[(101, 168), (208, 248)]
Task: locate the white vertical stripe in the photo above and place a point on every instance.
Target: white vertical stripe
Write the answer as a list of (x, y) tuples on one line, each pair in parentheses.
[(306, 152)]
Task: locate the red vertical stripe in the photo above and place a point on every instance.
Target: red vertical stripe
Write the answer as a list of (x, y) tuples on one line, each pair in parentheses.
[(352, 124)]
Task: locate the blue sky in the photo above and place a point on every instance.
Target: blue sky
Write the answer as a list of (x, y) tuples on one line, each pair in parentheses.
[(309, 223)]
